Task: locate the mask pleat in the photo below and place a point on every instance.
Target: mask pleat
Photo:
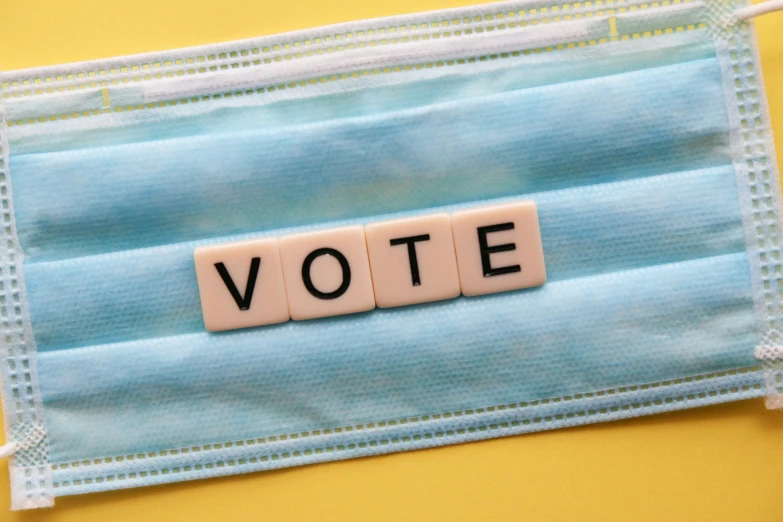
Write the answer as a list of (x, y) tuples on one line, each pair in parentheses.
[(150, 292), (581, 334), (91, 201)]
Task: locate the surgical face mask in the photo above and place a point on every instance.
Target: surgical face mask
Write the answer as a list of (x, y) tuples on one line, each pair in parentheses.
[(638, 130)]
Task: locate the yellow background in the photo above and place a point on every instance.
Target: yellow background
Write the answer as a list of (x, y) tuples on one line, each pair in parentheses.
[(717, 463)]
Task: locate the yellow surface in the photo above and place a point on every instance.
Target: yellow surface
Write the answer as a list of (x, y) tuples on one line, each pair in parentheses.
[(718, 463)]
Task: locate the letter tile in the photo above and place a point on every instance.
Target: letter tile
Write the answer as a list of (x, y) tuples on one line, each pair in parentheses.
[(241, 284), (327, 273), (498, 248), (412, 260)]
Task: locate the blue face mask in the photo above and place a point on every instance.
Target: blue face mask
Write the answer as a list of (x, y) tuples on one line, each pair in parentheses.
[(640, 132)]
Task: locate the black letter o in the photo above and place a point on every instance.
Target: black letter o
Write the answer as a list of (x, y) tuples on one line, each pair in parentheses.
[(308, 282)]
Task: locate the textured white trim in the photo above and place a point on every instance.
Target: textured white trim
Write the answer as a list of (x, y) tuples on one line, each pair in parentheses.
[(30, 440), (771, 356), (769, 353), (25, 429)]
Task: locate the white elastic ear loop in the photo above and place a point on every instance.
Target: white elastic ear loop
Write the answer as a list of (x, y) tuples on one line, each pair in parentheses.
[(752, 11), (771, 356), (33, 437), (8, 449)]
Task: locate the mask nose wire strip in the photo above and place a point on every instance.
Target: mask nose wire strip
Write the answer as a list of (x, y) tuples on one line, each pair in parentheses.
[(752, 11)]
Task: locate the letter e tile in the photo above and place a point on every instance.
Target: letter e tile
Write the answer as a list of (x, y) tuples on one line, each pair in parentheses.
[(498, 248)]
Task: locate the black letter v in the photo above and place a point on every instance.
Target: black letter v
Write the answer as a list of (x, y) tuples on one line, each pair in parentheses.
[(242, 302)]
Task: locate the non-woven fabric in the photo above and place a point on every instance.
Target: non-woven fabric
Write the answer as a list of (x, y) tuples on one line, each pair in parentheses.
[(639, 130)]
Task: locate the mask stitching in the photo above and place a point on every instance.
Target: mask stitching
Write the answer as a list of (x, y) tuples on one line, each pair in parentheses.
[(757, 170), (423, 419), (364, 73), (22, 404), (543, 421), (531, 16)]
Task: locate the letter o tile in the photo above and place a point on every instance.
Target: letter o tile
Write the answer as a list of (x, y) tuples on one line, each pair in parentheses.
[(327, 273)]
